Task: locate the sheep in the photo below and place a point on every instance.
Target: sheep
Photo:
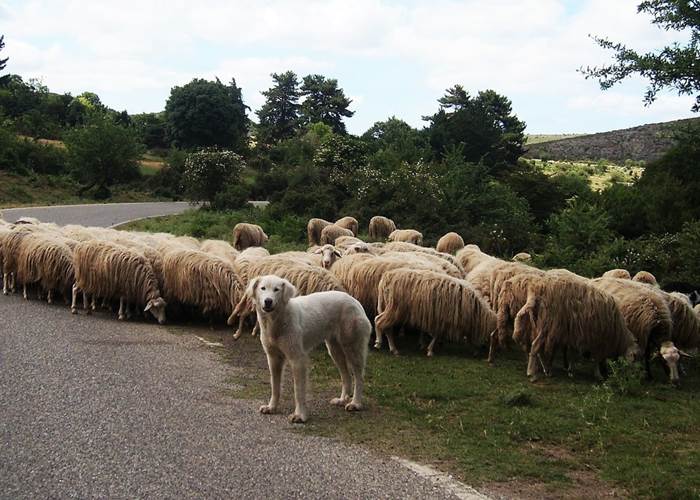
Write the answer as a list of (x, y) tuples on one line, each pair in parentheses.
[(617, 273), (380, 228), (471, 256), (187, 241), (363, 247), (522, 257), (450, 243), (5, 231), (245, 259), (311, 259), (686, 324), (313, 230), (401, 246), (108, 270), (697, 309), (221, 249), (343, 242), (27, 220), (10, 253), (331, 232), (248, 235), (646, 278), (488, 275), (47, 260), (565, 311), (348, 223), (201, 280), (307, 280), (437, 304), (329, 254), (437, 262), (407, 235), (646, 314)]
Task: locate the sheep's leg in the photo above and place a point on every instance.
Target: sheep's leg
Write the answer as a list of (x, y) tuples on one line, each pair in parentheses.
[(86, 303), (421, 339), (431, 345), (121, 316), (74, 299), (597, 372), (338, 356), (392, 346), (493, 345), (49, 296), (5, 279), (39, 293), (128, 310), (93, 303), (533, 359), (13, 282), (379, 329), (105, 303), (24, 291)]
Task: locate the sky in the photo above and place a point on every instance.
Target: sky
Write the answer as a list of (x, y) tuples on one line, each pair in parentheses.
[(391, 57)]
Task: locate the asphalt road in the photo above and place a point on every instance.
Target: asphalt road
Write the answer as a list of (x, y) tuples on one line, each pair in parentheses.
[(91, 407)]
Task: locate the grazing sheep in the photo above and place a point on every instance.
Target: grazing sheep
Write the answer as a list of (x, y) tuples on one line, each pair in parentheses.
[(686, 324), (439, 305), (617, 273), (10, 254), (564, 311), (313, 230), (348, 223), (522, 257), (111, 271), (331, 232), (436, 261), (5, 231), (343, 242), (201, 280), (48, 261), (646, 314), (470, 256), (450, 243), (689, 290), (380, 228), (245, 259), (646, 278), (187, 242), (221, 249), (248, 235), (329, 254), (490, 273), (400, 246), (407, 236)]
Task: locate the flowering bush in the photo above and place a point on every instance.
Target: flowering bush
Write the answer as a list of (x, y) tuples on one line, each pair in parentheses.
[(210, 171)]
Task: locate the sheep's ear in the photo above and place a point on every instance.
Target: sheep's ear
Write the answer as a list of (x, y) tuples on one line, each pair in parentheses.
[(148, 306), (289, 291), (337, 253), (318, 250), (683, 353), (252, 287)]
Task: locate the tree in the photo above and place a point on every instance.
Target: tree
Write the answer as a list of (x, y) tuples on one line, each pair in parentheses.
[(3, 62), (279, 116), (206, 114), (483, 127), (103, 153), (324, 102), (210, 172), (398, 138), (675, 66)]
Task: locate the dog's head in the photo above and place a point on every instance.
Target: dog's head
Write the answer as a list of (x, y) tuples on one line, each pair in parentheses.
[(269, 293)]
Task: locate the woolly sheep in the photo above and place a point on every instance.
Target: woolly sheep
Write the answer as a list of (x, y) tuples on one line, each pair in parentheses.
[(646, 278), (313, 230), (401, 246), (470, 256), (343, 242), (564, 311), (27, 220), (245, 259), (697, 309), (348, 223), (331, 232), (10, 254), (522, 257), (380, 228), (439, 305), (201, 280), (329, 254), (362, 247), (48, 261), (111, 271), (248, 235), (435, 261), (646, 314), (221, 249), (311, 259), (407, 235), (450, 243), (686, 324), (617, 273)]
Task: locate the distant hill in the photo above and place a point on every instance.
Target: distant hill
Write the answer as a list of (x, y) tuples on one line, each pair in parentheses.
[(645, 142)]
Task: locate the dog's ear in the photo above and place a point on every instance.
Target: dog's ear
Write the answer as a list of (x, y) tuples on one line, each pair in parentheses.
[(289, 291), (252, 288)]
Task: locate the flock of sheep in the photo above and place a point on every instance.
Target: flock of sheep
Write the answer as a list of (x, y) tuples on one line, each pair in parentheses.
[(453, 293)]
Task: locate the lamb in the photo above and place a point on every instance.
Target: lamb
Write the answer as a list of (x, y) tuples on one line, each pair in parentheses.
[(522, 257), (434, 303), (646, 314), (221, 249), (617, 273), (450, 243), (313, 230), (331, 232), (348, 223), (248, 235), (407, 235), (564, 311), (646, 278), (380, 228), (203, 281), (111, 271)]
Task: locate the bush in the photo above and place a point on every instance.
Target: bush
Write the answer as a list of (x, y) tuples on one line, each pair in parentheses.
[(208, 171), (232, 197)]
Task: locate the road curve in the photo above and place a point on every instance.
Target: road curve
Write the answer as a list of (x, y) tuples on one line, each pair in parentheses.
[(91, 407), (105, 214)]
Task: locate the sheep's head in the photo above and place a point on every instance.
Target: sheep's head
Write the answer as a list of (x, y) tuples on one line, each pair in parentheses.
[(671, 356), (357, 248), (329, 255), (633, 353), (157, 309)]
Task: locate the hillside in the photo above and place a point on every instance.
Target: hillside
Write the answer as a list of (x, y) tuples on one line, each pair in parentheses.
[(642, 143)]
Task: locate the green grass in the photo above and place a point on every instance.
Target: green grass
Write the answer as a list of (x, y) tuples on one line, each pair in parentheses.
[(539, 138), (600, 174), (486, 425)]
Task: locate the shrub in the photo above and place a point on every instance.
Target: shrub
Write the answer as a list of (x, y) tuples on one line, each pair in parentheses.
[(207, 172)]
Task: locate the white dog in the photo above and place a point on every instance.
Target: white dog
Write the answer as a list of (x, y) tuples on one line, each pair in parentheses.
[(290, 328)]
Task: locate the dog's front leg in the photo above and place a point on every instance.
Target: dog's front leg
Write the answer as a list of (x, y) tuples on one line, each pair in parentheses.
[(275, 362), (299, 368)]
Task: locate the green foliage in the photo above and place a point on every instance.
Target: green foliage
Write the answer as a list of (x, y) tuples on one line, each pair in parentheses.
[(673, 66), (625, 378), (206, 114), (103, 153), (626, 207), (208, 172), (397, 139), (324, 102), (167, 181), (3, 62), (279, 115), (152, 129)]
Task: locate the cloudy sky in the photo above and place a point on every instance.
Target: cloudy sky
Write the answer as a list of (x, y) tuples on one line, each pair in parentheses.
[(391, 57)]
